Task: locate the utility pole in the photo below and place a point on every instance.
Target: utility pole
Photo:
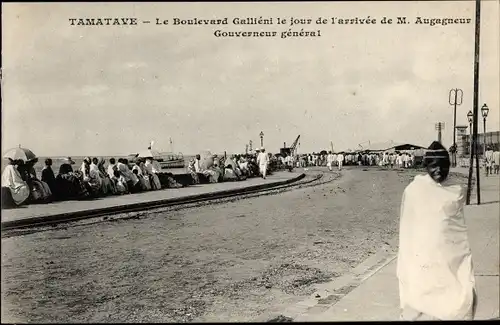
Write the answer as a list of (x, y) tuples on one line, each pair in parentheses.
[(455, 98), (439, 127), (475, 111)]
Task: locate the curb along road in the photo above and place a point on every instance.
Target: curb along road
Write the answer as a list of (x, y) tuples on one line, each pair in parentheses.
[(93, 213)]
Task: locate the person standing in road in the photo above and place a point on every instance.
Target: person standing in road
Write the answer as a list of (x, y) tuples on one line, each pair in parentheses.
[(329, 161), (434, 266), (263, 161), (496, 161), (340, 160), (488, 161)]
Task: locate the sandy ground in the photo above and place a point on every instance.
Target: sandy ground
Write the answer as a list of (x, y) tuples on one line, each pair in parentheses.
[(219, 262)]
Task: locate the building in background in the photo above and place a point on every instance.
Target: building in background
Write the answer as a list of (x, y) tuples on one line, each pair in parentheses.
[(464, 141)]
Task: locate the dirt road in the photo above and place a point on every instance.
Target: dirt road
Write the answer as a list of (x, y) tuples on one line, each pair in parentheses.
[(222, 262)]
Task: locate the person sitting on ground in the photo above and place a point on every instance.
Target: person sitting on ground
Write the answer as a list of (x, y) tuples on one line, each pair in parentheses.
[(69, 183), (15, 191), (91, 178), (133, 184), (108, 187), (197, 164), (243, 165), (85, 167), (192, 171), (229, 174), (435, 271), (112, 167), (154, 179), (119, 182), (138, 170), (39, 191), (48, 175)]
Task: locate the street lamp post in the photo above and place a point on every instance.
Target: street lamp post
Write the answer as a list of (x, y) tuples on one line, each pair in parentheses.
[(484, 112), (261, 138)]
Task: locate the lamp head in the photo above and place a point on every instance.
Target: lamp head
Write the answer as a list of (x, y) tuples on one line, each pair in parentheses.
[(470, 116), (485, 110)]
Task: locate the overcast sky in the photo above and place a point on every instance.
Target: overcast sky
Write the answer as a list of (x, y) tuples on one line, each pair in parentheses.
[(76, 90)]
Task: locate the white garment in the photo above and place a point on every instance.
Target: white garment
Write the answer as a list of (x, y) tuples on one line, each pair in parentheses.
[(123, 169), (156, 167), (263, 159), (435, 271), (155, 179), (94, 173), (488, 155), (329, 160), (197, 167), (111, 170), (340, 157), (496, 157), (19, 189), (84, 170)]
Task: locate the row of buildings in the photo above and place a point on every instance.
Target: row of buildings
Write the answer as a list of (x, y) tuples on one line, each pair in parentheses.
[(491, 139)]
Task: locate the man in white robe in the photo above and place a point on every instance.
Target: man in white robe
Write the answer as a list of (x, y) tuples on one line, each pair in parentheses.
[(496, 161), (435, 272), (488, 161), (329, 161), (340, 160), (263, 161)]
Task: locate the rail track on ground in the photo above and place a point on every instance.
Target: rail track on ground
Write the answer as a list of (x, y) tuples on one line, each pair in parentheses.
[(311, 178)]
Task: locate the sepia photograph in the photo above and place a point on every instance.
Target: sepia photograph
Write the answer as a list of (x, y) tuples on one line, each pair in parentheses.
[(250, 161)]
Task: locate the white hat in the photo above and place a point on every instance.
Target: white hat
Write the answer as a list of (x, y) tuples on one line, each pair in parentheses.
[(262, 148)]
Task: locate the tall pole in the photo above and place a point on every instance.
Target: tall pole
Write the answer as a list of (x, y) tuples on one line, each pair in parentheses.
[(439, 127), (484, 135), (455, 98), (470, 137), (475, 110)]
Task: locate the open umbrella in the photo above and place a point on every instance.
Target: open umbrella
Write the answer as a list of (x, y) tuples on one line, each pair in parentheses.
[(20, 153), (149, 153)]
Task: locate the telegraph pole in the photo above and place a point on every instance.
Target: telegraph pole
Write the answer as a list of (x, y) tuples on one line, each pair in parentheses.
[(455, 98), (475, 110), (439, 127)]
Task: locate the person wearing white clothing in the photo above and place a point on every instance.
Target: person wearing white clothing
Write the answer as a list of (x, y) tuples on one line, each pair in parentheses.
[(340, 160), (488, 161), (434, 265), (263, 161), (112, 167), (329, 161)]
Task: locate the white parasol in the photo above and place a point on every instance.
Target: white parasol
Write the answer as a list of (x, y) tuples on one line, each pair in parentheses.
[(20, 153)]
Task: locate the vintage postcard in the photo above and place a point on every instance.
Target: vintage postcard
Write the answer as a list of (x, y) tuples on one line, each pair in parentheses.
[(250, 161)]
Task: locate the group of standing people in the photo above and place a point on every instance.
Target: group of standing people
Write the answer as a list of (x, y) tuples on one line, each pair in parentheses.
[(491, 161)]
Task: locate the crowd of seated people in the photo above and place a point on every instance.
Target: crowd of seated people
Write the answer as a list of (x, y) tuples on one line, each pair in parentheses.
[(216, 169), (20, 184)]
